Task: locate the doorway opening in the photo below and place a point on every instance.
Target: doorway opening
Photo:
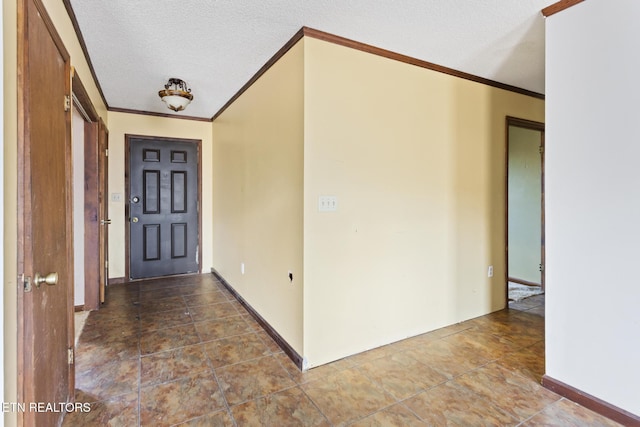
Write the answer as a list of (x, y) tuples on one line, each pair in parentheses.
[(89, 153), (525, 209)]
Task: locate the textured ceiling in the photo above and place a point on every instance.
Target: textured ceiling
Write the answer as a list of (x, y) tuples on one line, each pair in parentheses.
[(218, 45)]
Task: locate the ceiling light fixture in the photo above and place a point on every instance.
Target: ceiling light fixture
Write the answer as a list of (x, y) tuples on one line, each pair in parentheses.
[(176, 94)]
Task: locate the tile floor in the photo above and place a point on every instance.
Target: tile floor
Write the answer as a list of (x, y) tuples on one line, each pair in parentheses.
[(183, 351)]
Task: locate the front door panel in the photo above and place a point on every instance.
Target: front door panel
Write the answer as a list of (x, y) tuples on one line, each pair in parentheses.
[(163, 207)]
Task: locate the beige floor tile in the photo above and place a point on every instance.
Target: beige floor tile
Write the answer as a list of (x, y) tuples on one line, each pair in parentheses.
[(217, 419), (526, 362), (162, 304), (239, 348), (401, 375), (483, 344), (289, 407), (102, 349), (167, 339), (252, 379), (221, 328), (200, 313), (514, 394), (347, 396), (154, 320), (179, 401), (118, 411), (170, 365), (448, 358), (396, 415), (101, 382), (212, 297), (568, 414), (451, 404)]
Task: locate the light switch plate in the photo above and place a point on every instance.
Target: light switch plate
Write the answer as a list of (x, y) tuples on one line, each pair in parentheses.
[(327, 204)]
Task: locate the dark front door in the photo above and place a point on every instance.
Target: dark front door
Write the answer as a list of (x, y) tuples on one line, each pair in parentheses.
[(163, 207), (45, 295)]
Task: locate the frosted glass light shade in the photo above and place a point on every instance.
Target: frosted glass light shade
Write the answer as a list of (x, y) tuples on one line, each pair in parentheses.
[(176, 101)]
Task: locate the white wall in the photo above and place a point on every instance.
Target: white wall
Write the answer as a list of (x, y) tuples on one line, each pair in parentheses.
[(77, 140), (593, 200), (2, 218)]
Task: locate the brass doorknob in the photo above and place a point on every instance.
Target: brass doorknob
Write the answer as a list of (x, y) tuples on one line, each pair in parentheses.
[(50, 279), (134, 219)]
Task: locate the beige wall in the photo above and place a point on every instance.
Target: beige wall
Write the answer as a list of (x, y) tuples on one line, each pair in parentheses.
[(136, 124), (9, 150), (63, 25), (257, 187), (416, 160)]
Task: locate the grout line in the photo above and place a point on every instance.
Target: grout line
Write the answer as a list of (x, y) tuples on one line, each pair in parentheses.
[(139, 380)]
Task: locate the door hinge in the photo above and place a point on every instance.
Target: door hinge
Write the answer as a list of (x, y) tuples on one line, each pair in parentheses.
[(540, 267), (106, 152), (26, 282), (67, 103), (541, 149), (106, 263), (70, 355)]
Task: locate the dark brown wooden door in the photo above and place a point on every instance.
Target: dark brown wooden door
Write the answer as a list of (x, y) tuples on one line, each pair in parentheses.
[(45, 311), (103, 202), (163, 207)]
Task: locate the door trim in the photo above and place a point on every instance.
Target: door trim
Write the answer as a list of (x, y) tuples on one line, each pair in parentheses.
[(91, 203), (102, 159), (127, 146), (538, 126), (23, 242)]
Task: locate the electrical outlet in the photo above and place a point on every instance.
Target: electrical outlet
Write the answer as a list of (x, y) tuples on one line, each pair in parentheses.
[(490, 271)]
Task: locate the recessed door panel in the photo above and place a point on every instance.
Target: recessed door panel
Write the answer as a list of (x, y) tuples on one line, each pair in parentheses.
[(149, 155), (151, 243), (178, 240), (151, 191), (178, 157), (179, 191)]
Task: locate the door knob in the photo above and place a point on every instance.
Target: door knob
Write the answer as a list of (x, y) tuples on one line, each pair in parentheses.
[(50, 279), (105, 221), (134, 219)]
